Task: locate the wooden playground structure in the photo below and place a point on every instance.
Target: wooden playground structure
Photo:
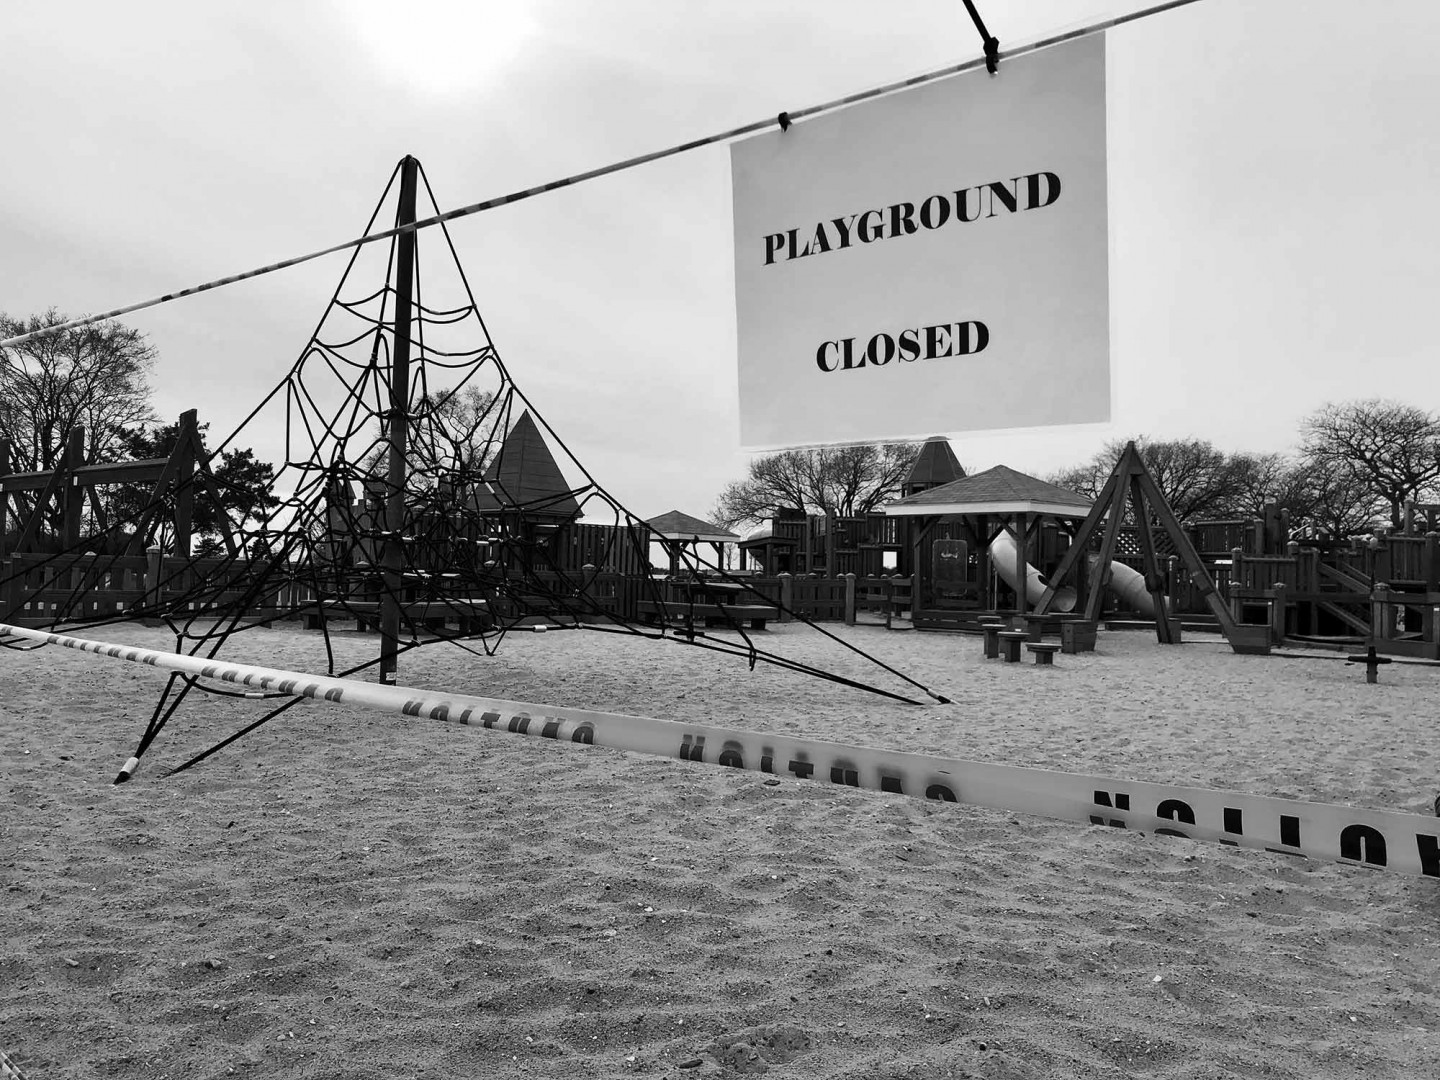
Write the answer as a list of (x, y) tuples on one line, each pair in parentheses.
[(942, 557)]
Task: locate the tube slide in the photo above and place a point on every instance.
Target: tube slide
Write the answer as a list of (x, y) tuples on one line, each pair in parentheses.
[(1127, 586), (1002, 555)]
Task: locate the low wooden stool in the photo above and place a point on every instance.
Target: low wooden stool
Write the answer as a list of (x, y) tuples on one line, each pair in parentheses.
[(1044, 652), (1010, 641), (992, 638)]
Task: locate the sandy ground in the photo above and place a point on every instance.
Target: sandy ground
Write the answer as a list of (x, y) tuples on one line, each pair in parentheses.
[(351, 894)]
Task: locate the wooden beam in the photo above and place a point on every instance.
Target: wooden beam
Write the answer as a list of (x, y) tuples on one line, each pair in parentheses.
[(1199, 576), (212, 488), (1115, 506), (54, 483), (73, 497), (1164, 632), (146, 521), (1079, 543), (120, 472), (187, 450)]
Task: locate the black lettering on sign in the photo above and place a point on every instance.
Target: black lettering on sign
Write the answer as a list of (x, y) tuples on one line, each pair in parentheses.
[(490, 718), (520, 724), (1175, 810), (440, 712), (802, 769), (1102, 798), (767, 760), (840, 773), (1009, 198), (940, 793), (1289, 830), (464, 717), (1362, 843), (692, 748), (208, 671), (1234, 823), (551, 730), (1429, 847), (733, 755), (287, 687), (893, 784), (335, 693), (584, 733), (411, 708)]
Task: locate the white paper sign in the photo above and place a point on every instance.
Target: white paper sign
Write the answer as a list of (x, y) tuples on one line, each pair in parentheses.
[(935, 260)]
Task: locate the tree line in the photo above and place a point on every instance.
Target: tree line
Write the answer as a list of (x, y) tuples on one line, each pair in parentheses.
[(1355, 466), (98, 376)]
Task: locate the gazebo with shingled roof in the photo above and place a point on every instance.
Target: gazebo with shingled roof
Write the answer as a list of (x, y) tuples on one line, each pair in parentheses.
[(675, 531), (982, 506)]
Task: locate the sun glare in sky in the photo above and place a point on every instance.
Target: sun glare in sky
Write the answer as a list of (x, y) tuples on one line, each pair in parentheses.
[(441, 47)]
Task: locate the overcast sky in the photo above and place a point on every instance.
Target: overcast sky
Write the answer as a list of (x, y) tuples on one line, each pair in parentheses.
[(1273, 169)]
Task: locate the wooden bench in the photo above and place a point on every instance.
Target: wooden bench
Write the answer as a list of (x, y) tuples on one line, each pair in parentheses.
[(470, 615), (757, 615), (1044, 652), (1077, 636), (1010, 641)]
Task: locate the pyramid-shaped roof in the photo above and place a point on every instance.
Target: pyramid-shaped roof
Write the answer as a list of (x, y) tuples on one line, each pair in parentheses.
[(524, 476), (1001, 490), (677, 526), (936, 464)]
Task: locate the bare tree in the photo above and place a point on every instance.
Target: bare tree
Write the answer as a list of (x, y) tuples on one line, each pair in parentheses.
[(461, 432), (1392, 448), (94, 375), (1197, 480), (1334, 500), (847, 481)]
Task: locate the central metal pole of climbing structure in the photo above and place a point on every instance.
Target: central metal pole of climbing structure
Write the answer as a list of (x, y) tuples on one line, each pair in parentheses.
[(397, 429)]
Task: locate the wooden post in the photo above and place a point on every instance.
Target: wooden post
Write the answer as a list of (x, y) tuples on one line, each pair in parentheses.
[(588, 590), (154, 567), (72, 497), (188, 450), (850, 599), (1382, 628), (1277, 614), (1022, 522), (397, 427)]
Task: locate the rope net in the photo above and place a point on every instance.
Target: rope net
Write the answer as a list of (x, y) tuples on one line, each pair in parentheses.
[(491, 527)]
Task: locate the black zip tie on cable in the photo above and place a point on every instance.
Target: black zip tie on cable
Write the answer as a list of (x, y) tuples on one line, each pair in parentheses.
[(992, 44)]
